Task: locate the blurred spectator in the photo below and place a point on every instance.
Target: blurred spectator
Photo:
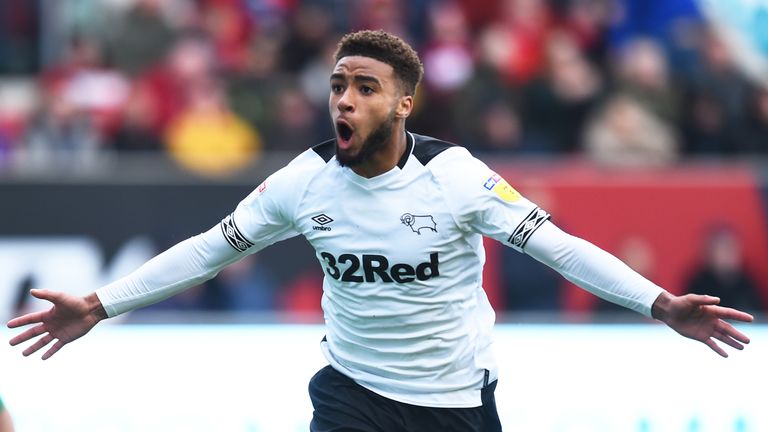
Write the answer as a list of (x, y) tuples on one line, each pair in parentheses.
[(77, 19), (448, 65), (136, 131), (387, 15), (207, 137), (18, 100), (314, 76), (707, 129), (722, 273), (718, 97), (84, 80), (643, 74), (316, 88), (19, 36), (485, 112), (718, 73), (559, 102), (624, 133), (754, 134), (60, 135), (526, 25), (587, 21), (141, 38), (480, 13), (311, 26), (447, 55), (272, 17), (296, 121), (254, 90), (189, 63), (79, 54), (501, 129), (228, 25)]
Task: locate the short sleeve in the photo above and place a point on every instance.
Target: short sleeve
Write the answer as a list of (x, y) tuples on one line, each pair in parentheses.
[(483, 202)]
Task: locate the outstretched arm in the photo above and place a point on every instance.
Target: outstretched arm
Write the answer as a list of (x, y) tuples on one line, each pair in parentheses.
[(184, 265), (595, 270), (262, 218)]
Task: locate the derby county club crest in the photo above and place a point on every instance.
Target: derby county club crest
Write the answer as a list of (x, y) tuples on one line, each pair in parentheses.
[(418, 222)]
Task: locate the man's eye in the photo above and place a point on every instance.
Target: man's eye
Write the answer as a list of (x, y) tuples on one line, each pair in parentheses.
[(336, 88), (366, 90)]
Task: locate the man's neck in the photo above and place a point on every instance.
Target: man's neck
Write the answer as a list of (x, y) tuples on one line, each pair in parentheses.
[(386, 158)]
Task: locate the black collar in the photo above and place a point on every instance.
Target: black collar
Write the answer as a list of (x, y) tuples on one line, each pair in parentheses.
[(408, 149)]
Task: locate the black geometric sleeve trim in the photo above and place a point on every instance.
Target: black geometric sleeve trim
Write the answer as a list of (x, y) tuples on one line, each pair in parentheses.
[(531, 223), (234, 237)]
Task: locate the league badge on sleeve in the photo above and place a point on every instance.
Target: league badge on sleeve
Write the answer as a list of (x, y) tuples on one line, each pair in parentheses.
[(501, 187)]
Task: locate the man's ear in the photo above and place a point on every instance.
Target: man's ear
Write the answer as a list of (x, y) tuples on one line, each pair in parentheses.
[(404, 107)]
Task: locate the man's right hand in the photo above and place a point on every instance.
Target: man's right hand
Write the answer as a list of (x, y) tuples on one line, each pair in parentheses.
[(69, 318), (700, 317)]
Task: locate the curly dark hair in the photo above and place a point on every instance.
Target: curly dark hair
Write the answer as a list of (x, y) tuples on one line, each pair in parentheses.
[(387, 48)]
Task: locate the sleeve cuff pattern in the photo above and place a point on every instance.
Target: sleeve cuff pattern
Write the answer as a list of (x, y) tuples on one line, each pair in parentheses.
[(524, 229), (234, 237)]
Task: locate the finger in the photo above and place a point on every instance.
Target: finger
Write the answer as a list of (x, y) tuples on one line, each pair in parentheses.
[(30, 318), (703, 299), (43, 341), (715, 347), (728, 329), (29, 334), (51, 296), (724, 338), (732, 314), (53, 350)]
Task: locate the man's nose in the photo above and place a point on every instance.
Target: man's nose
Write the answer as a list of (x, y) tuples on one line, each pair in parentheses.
[(345, 103)]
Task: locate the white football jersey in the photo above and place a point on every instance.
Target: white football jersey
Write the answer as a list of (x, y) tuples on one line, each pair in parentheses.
[(402, 252)]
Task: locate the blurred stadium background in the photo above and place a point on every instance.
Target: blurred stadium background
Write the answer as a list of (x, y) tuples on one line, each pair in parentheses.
[(129, 125)]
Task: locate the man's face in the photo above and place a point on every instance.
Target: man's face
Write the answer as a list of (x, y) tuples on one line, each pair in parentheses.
[(363, 101)]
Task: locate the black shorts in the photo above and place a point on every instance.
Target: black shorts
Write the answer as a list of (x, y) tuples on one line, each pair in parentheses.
[(341, 405)]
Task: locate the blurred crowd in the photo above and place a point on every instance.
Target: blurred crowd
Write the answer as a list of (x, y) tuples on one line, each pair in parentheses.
[(215, 83)]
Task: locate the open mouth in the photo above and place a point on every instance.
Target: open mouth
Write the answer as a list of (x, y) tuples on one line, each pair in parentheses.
[(344, 130)]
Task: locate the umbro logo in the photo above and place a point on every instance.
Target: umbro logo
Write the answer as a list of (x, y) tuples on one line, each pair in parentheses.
[(322, 220)]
